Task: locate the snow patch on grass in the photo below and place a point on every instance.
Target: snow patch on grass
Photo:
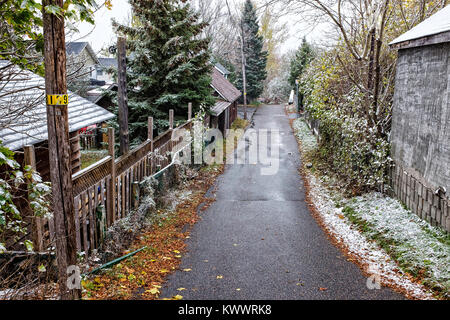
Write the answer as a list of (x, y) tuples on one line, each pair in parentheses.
[(421, 249), (377, 261), (303, 133)]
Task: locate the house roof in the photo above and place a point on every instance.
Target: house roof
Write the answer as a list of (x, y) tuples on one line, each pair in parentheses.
[(224, 87), (222, 69), (75, 48), (219, 107), (18, 129), (436, 24), (108, 62)]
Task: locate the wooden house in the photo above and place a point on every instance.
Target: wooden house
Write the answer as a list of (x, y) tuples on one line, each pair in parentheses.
[(224, 111), (420, 134), (23, 118)]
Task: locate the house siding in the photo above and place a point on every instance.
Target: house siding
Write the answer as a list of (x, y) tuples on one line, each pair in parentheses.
[(421, 114), (420, 133)]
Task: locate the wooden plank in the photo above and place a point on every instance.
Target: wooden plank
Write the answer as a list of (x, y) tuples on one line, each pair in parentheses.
[(84, 224), (77, 222), (91, 194), (97, 191)]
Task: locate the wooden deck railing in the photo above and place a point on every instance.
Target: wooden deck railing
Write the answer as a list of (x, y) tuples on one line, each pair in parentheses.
[(105, 191)]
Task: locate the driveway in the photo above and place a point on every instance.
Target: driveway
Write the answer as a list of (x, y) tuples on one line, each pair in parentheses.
[(258, 240)]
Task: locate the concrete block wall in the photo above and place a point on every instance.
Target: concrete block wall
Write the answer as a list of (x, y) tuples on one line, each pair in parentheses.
[(421, 199)]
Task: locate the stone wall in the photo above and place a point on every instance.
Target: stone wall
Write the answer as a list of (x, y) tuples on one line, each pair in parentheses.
[(421, 128)]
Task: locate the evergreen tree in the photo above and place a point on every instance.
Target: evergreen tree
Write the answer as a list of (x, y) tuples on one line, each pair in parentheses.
[(302, 58), (255, 56), (168, 64)]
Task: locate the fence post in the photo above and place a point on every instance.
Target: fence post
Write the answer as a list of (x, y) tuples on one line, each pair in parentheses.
[(122, 97), (189, 111), (171, 119), (111, 208), (150, 137), (36, 222)]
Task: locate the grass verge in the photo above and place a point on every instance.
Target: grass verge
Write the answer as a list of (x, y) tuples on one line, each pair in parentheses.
[(419, 250)]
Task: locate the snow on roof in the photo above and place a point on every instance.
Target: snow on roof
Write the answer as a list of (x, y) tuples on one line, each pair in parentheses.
[(108, 62), (222, 69), (437, 23), (20, 126)]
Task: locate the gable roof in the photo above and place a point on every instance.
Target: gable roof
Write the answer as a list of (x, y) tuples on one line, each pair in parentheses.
[(18, 129), (75, 48), (437, 24), (224, 87)]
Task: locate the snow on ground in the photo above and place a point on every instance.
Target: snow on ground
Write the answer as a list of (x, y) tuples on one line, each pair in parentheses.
[(378, 264), (417, 243)]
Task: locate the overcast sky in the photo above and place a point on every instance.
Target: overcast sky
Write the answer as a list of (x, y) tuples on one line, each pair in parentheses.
[(101, 34)]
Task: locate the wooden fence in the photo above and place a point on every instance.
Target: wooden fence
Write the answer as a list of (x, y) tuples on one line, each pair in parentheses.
[(107, 190)]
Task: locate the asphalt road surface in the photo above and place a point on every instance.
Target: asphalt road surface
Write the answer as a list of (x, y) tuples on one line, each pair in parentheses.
[(260, 239)]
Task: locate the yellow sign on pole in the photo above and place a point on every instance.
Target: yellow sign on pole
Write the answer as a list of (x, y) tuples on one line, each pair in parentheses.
[(57, 99)]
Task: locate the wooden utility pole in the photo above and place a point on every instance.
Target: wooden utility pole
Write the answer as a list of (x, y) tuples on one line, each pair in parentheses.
[(244, 78), (122, 94), (58, 145)]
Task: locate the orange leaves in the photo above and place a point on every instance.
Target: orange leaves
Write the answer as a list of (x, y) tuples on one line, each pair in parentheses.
[(141, 276)]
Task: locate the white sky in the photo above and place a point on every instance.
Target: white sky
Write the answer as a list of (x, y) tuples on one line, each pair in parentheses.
[(101, 34)]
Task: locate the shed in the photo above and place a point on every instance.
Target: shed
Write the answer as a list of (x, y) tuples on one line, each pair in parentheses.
[(420, 133), (224, 111), (21, 126)]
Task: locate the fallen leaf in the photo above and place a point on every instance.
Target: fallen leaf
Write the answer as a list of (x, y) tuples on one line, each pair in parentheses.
[(323, 289), (176, 251), (178, 256), (178, 297), (41, 268), (164, 271), (187, 270), (238, 289), (153, 291), (219, 277), (181, 289)]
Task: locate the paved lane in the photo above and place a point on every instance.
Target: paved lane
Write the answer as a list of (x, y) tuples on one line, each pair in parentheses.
[(260, 236)]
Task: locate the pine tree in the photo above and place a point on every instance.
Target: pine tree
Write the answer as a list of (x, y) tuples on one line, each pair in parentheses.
[(255, 56), (168, 64), (302, 58)]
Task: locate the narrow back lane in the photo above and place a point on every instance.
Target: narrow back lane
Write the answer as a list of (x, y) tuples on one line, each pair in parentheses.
[(258, 240)]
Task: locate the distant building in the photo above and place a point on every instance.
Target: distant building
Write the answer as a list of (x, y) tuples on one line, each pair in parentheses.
[(421, 117), (224, 112), (81, 54)]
